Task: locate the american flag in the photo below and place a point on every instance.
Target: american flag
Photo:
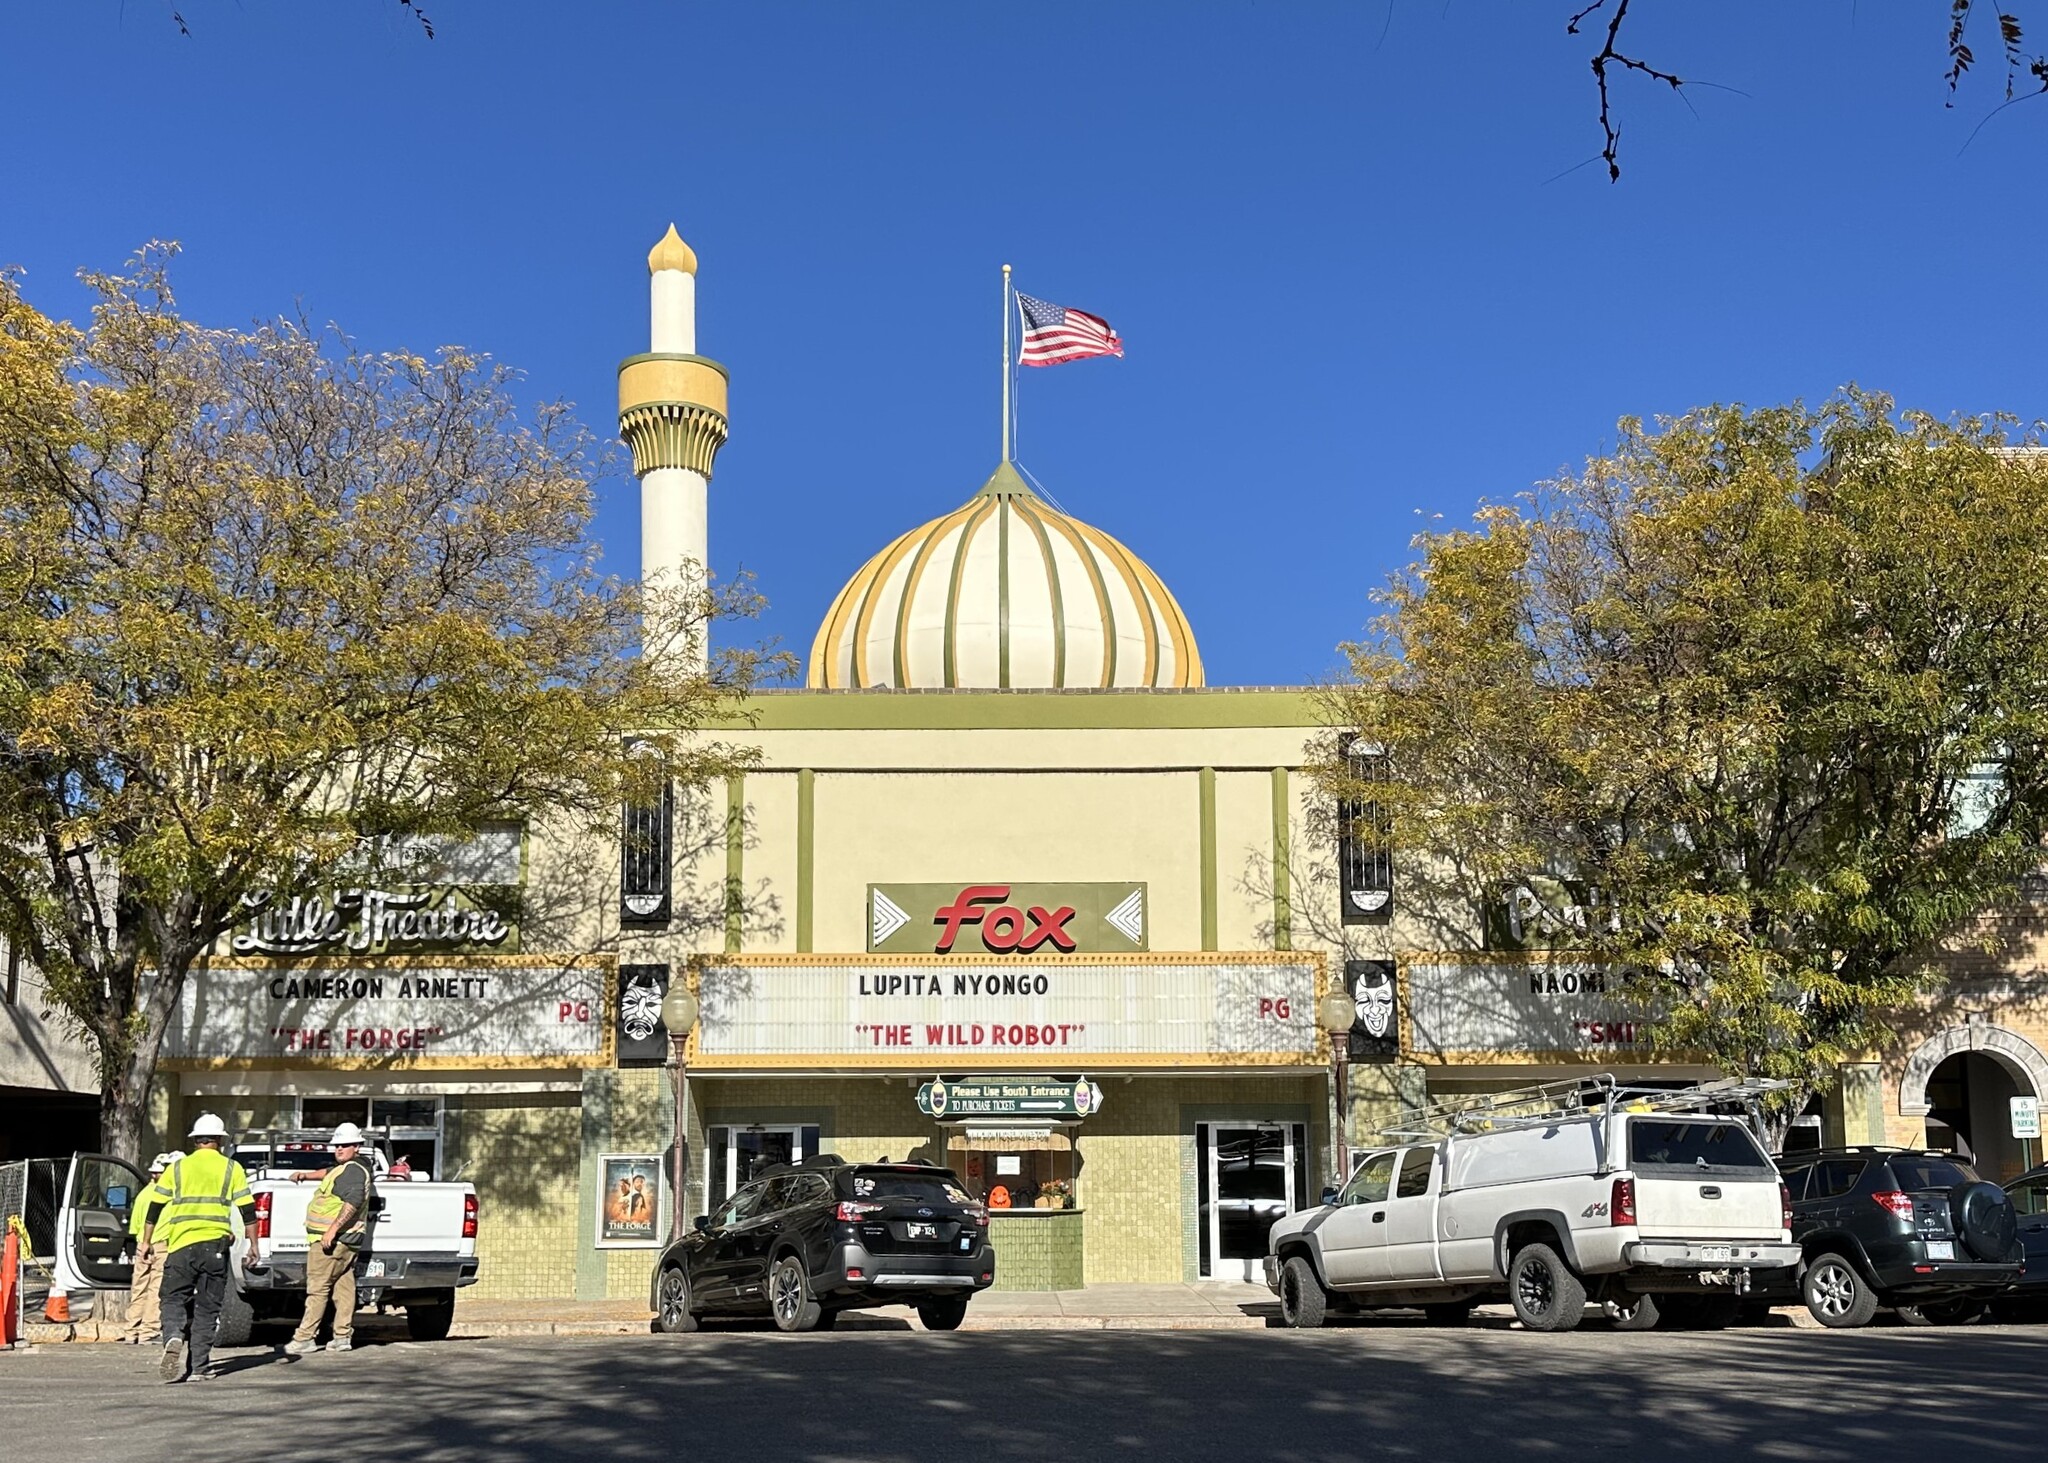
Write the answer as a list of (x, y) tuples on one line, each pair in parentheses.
[(1054, 335)]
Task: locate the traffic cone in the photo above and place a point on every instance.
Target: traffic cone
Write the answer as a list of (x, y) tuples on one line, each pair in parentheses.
[(57, 1307), (10, 1288)]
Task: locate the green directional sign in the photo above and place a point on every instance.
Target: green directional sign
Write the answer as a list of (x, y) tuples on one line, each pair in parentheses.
[(1051, 1098)]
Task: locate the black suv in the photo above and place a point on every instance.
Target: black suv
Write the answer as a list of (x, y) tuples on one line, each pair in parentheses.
[(804, 1243), (1917, 1231)]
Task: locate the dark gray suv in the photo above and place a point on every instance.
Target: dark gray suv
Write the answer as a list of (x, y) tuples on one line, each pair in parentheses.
[(1917, 1231)]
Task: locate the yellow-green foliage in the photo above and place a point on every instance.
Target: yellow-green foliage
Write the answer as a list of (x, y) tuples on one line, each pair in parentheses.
[(268, 601), (1735, 678)]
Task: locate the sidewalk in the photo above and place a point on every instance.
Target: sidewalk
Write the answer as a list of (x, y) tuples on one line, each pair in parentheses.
[(1208, 1306)]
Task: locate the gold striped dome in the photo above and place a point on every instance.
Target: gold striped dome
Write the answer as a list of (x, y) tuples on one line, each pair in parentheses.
[(1005, 592)]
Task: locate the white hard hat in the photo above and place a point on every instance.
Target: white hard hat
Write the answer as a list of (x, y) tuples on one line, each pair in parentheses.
[(208, 1125), (163, 1161), (347, 1134)]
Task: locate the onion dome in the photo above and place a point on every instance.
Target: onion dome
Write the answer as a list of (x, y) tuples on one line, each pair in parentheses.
[(1005, 592)]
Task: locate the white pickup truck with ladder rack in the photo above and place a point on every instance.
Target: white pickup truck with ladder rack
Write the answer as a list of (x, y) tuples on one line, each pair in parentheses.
[(1639, 1199)]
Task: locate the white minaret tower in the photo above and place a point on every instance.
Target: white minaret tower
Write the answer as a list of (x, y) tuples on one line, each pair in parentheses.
[(672, 415)]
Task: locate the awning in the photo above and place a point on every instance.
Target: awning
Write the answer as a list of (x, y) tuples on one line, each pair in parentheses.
[(1037, 1138)]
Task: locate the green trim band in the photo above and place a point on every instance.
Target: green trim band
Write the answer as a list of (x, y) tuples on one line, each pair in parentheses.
[(735, 859), (1206, 785), (718, 366), (806, 853), (883, 709), (1283, 891)]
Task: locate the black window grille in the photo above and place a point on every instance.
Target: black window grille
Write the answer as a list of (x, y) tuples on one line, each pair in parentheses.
[(647, 846), (1365, 852)]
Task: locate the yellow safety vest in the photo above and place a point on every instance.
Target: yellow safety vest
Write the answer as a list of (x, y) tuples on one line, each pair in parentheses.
[(325, 1206), (196, 1199)]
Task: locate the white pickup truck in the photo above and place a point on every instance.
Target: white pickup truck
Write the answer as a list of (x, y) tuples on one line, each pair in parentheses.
[(1641, 1201), (422, 1244)]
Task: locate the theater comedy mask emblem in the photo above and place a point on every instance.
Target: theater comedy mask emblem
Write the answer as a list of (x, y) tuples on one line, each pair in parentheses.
[(640, 1009), (1375, 1001)]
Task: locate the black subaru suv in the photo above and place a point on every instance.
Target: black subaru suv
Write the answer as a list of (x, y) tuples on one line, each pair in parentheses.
[(1917, 1231), (803, 1243)]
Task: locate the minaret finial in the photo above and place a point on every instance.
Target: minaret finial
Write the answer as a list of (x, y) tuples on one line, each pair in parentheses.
[(671, 253)]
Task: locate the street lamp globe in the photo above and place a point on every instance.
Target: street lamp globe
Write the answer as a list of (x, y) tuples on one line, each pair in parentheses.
[(1337, 1013), (679, 1011)]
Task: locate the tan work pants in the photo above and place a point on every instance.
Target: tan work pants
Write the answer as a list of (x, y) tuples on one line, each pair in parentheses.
[(145, 1296), (329, 1276)]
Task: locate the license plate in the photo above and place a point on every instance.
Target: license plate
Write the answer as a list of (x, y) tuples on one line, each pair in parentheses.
[(374, 1269), (1941, 1249), (1714, 1252), (924, 1231)]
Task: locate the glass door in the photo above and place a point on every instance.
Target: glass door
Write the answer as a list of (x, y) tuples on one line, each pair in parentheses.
[(1249, 1176), (739, 1153)]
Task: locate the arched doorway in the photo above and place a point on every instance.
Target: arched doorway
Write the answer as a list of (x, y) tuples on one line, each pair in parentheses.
[(1969, 1114), (1961, 1082)]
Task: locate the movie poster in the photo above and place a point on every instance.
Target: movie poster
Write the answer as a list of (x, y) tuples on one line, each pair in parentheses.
[(629, 1200)]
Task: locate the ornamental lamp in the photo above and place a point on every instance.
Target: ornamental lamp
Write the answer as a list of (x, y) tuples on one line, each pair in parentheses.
[(679, 1011), (1336, 1012)]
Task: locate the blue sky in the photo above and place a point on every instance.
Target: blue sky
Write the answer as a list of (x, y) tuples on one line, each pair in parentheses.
[(1355, 290)]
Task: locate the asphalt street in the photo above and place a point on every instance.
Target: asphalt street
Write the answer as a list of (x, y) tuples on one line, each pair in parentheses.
[(1376, 1390)]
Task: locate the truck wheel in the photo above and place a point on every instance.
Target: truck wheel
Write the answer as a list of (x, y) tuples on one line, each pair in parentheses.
[(1835, 1292), (672, 1313), (1632, 1312), (237, 1318), (943, 1313), (789, 1296), (1304, 1303), (429, 1322), (1546, 1294)]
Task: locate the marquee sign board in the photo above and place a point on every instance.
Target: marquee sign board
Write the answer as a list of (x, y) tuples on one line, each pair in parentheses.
[(1553, 1008), (1007, 1011), (1009, 1097), (997, 918), (476, 1011)]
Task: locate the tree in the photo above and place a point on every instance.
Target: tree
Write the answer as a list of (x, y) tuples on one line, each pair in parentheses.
[(1772, 683), (270, 606)]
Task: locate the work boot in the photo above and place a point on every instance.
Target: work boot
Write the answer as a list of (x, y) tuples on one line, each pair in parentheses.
[(171, 1366), (341, 1343)]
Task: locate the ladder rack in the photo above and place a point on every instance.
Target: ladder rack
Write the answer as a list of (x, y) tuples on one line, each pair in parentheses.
[(1597, 1094)]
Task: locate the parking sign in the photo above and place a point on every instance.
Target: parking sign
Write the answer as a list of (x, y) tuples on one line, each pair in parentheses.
[(2026, 1117)]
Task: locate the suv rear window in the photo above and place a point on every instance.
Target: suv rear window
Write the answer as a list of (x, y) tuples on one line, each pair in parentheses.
[(1916, 1174), (936, 1188), (1655, 1143)]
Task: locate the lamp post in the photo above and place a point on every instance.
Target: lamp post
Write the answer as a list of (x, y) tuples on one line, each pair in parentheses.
[(1336, 1013), (679, 1015)]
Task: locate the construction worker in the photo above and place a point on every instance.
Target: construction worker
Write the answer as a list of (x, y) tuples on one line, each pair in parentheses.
[(337, 1231), (191, 1215), (146, 1287)]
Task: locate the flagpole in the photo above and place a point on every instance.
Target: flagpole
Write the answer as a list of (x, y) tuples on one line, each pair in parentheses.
[(1006, 363)]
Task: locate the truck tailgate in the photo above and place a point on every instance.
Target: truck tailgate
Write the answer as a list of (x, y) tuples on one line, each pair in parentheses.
[(421, 1217), (1704, 1207)]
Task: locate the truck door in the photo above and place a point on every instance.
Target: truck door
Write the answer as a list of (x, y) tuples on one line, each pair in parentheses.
[(92, 1226), (1411, 1218), (1354, 1237)]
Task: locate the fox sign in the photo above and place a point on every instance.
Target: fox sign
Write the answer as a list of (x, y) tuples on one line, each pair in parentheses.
[(999, 918)]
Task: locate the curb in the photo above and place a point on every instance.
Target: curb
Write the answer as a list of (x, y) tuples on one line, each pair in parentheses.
[(87, 1333)]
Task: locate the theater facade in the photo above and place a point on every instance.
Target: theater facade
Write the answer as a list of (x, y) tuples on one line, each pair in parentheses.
[(1010, 888)]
